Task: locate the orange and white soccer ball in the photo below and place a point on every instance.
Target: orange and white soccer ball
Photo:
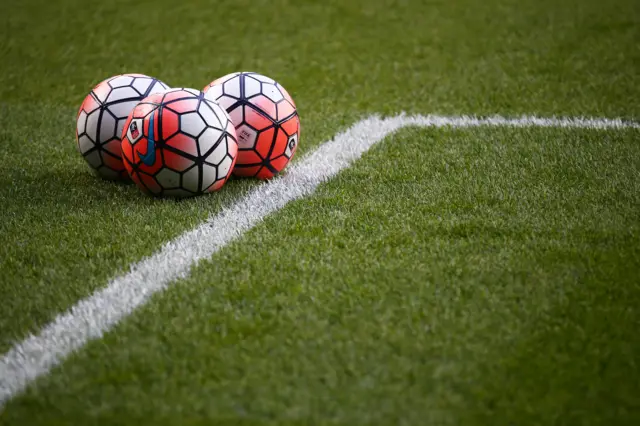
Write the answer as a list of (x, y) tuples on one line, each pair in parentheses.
[(101, 119), (265, 118), (179, 144)]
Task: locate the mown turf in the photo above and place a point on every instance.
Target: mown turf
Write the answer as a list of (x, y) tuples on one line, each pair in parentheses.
[(450, 277), (65, 233)]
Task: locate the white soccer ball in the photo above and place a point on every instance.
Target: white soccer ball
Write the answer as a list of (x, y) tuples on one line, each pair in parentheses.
[(102, 116)]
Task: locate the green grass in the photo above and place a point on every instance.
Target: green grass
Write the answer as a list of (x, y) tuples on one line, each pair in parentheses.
[(424, 285), (474, 277)]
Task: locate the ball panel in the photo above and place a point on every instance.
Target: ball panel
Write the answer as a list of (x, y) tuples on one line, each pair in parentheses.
[(264, 173), (89, 104), (232, 88), (107, 127), (122, 109), (208, 139), (184, 143), (244, 171), (212, 93), (264, 143), (280, 144), (218, 153), (192, 124), (246, 137), (291, 126), (170, 123), (150, 183), (191, 179), (94, 159), (208, 175), (168, 179), (141, 84), (101, 92), (249, 157), (207, 113), (264, 105), (224, 168), (184, 105), (285, 109), (256, 119), (122, 80), (113, 147), (236, 115), (176, 161), (279, 163), (121, 93), (272, 92), (113, 162), (216, 186), (251, 87), (81, 122)]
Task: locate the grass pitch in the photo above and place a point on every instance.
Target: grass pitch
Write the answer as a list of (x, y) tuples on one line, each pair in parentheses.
[(484, 276)]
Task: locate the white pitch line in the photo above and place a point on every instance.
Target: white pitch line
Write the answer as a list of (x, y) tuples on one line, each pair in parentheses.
[(90, 318)]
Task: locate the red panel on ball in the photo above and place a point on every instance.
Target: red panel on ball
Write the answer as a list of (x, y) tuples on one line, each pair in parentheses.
[(255, 119), (170, 122), (280, 145), (183, 143), (263, 143), (186, 105), (265, 105), (176, 161)]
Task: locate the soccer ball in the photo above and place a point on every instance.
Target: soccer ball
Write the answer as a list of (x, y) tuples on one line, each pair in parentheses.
[(179, 144), (265, 118), (101, 119)]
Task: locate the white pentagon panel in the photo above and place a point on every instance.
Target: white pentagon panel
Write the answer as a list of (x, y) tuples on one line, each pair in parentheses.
[(141, 84), (214, 92), (251, 87), (192, 91), (107, 127), (218, 154), (208, 175), (168, 178), (82, 121), (93, 158), (190, 179), (272, 92), (232, 87), (206, 112), (208, 139), (192, 124), (263, 78), (246, 137), (236, 115), (123, 80), (291, 144), (122, 109), (84, 144), (92, 124), (224, 167), (122, 93)]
